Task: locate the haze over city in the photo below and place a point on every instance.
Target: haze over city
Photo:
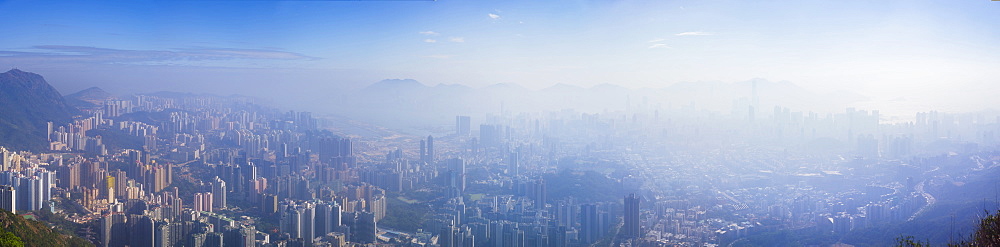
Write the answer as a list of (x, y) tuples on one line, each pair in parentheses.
[(904, 56)]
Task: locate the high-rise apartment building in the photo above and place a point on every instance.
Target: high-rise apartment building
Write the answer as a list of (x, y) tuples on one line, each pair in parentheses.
[(631, 227), (219, 193), (8, 198), (463, 125)]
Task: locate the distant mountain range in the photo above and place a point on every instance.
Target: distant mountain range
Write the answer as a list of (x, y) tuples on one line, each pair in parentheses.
[(27, 103), (405, 101), (90, 98)]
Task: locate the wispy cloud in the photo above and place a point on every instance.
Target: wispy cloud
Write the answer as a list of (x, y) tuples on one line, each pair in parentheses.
[(494, 16), (430, 40), (658, 46), (698, 33), (89, 54), (457, 39), (440, 56), (656, 40), (430, 33)]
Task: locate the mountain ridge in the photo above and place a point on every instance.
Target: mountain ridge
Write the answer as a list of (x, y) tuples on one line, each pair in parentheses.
[(27, 103), (94, 95), (88, 99)]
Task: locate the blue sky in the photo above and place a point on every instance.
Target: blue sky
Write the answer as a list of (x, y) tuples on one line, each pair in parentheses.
[(948, 51)]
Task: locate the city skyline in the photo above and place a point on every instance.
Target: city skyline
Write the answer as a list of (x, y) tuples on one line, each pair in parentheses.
[(207, 170)]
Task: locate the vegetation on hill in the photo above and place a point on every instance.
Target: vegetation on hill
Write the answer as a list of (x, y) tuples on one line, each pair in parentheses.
[(33, 233), (116, 140), (7, 239), (90, 98), (987, 234), (402, 215), (585, 186)]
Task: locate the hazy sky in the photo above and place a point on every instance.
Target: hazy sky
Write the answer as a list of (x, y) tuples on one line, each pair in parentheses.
[(918, 52)]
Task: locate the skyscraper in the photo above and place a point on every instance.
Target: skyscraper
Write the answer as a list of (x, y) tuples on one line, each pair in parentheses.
[(161, 234), (214, 239), (631, 227), (346, 147), (537, 192), (238, 236), (456, 176), (336, 216), (489, 135), (463, 125), (207, 201), (423, 151), (327, 218), (219, 193), (108, 189), (430, 149), (7, 159), (69, 176), (513, 163), (590, 224), (29, 192), (364, 228), (300, 220), (114, 231), (269, 203), (8, 198), (308, 223), (141, 231), (290, 222), (48, 179), (198, 202), (446, 237)]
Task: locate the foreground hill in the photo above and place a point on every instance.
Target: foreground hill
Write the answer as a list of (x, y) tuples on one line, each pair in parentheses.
[(27, 103), (33, 233)]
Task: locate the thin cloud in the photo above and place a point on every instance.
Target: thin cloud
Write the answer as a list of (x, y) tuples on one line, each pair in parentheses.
[(494, 16), (66, 53), (48, 54), (656, 40), (430, 33), (430, 40), (699, 33), (457, 39), (440, 56), (658, 46), (249, 54)]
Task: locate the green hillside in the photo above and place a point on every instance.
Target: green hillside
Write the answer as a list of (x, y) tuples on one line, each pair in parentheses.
[(16, 229)]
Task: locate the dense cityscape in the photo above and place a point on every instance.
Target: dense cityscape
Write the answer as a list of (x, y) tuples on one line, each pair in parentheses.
[(561, 123), (171, 169)]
